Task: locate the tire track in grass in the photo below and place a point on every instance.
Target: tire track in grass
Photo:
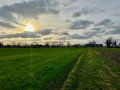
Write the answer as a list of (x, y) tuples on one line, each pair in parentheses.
[(90, 73), (70, 82), (57, 83)]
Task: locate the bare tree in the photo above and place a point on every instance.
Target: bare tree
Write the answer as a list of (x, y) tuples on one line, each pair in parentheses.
[(114, 43), (1, 44), (108, 42), (61, 44), (92, 43), (68, 44), (47, 44)]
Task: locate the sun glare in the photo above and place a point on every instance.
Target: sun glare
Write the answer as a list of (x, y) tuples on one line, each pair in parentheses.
[(29, 28)]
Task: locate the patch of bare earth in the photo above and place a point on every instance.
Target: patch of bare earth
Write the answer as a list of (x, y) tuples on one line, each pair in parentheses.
[(113, 56)]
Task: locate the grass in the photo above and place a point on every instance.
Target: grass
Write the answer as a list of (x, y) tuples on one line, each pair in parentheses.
[(107, 49), (41, 68), (57, 68), (92, 71)]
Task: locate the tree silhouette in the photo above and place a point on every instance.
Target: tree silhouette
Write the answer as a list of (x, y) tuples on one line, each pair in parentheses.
[(109, 42), (68, 44), (114, 43), (92, 43), (1, 44)]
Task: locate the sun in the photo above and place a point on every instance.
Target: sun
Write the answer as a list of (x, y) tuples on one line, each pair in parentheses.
[(29, 28)]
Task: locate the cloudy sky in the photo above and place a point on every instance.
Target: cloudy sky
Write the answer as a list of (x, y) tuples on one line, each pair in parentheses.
[(78, 21)]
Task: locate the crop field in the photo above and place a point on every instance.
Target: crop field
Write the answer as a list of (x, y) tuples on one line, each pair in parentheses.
[(112, 54), (58, 68)]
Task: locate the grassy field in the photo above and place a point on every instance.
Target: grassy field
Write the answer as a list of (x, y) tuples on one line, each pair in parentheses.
[(36, 68), (57, 68), (92, 71), (108, 49)]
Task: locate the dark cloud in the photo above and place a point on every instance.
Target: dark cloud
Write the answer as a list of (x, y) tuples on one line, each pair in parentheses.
[(86, 11), (105, 22), (81, 24), (61, 33), (77, 36), (85, 36), (67, 20), (88, 34), (116, 30), (65, 33), (30, 9), (77, 14), (28, 34), (44, 31), (97, 29), (22, 35), (5, 15), (7, 25)]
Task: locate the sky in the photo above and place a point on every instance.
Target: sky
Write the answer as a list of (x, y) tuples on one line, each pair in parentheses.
[(77, 21)]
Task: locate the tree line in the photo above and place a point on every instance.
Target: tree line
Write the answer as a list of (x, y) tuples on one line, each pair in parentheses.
[(109, 42), (37, 45)]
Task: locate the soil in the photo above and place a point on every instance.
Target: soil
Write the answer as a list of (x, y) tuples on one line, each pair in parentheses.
[(113, 56)]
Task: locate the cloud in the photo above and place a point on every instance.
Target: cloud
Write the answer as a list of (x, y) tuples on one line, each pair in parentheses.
[(65, 33), (30, 9), (47, 38), (105, 22), (22, 35), (64, 38), (68, 20), (116, 30), (67, 3), (81, 24), (7, 25), (77, 14), (28, 34), (77, 36), (86, 11), (59, 33), (85, 36), (88, 34), (116, 14), (44, 31), (97, 28)]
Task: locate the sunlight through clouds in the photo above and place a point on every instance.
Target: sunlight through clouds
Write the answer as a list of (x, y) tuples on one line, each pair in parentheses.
[(71, 16)]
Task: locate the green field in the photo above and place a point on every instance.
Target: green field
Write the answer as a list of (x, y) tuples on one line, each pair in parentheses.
[(108, 49), (57, 68)]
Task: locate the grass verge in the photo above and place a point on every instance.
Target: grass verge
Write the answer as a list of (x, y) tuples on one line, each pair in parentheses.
[(92, 71)]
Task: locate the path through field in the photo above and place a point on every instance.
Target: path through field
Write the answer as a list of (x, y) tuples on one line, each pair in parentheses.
[(92, 71)]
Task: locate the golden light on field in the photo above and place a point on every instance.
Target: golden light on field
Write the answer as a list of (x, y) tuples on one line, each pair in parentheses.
[(29, 28)]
